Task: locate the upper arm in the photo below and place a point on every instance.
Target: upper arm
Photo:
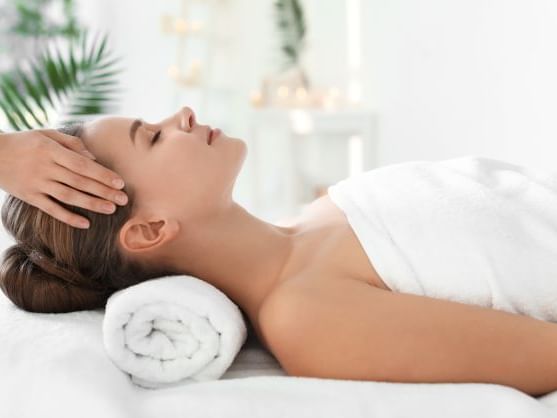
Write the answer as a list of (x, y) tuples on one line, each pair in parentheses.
[(309, 328), (347, 329), (276, 324), (302, 324)]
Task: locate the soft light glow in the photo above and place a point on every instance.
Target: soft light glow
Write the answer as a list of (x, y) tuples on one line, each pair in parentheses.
[(331, 98), (180, 25), (301, 121), (301, 93), (283, 92), (193, 75), (354, 91), (196, 26), (256, 98), (173, 71)]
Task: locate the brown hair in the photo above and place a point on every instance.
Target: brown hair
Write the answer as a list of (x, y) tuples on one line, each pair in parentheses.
[(54, 267)]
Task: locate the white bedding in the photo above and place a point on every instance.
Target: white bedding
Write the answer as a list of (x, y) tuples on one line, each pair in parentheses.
[(54, 365)]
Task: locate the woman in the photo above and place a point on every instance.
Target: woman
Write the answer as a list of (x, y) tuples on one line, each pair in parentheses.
[(307, 286)]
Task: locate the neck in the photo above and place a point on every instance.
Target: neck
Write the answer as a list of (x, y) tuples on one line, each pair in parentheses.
[(238, 253)]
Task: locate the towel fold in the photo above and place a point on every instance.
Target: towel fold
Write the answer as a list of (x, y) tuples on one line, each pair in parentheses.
[(172, 330)]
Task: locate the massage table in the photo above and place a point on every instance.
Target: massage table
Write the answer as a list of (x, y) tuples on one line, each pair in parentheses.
[(55, 365)]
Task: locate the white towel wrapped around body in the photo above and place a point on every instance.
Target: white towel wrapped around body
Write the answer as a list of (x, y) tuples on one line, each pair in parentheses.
[(471, 229), (174, 329)]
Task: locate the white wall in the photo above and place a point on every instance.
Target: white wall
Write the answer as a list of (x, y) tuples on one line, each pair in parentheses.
[(463, 77)]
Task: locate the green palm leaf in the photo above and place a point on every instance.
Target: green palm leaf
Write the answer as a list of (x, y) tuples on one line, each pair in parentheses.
[(290, 21), (68, 84)]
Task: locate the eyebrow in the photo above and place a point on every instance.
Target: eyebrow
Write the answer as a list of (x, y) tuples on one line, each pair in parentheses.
[(133, 129)]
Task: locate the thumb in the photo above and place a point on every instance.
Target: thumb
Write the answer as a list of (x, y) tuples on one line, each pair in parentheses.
[(72, 142)]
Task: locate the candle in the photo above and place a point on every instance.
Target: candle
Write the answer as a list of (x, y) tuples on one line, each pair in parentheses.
[(180, 25), (301, 96), (256, 98), (283, 92), (173, 71), (196, 26)]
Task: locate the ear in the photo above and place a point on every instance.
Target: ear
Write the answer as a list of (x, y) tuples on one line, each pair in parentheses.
[(140, 235)]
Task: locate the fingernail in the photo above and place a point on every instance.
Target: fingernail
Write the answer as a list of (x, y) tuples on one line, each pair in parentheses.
[(121, 199), (109, 207), (119, 183), (84, 224)]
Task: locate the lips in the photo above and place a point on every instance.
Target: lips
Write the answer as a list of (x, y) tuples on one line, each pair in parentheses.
[(209, 134), (213, 133)]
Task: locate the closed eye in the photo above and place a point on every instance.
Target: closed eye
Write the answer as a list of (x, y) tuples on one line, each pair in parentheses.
[(156, 137)]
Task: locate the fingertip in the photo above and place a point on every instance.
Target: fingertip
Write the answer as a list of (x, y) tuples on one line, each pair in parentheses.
[(118, 183), (83, 224)]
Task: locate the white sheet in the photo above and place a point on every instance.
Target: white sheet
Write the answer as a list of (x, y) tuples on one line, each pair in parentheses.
[(54, 365)]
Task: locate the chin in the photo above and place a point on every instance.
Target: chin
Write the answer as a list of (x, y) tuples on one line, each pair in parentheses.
[(242, 157), (245, 148), (234, 138)]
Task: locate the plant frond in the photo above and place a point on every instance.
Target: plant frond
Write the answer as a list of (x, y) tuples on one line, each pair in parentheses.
[(290, 21), (78, 81)]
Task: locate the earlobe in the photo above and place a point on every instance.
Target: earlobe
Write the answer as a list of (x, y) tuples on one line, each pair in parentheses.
[(139, 235)]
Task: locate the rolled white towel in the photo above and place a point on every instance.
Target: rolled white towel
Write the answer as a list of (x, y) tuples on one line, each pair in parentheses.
[(174, 329)]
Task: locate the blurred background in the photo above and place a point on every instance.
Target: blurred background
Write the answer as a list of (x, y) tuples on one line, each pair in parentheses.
[(318, 89)]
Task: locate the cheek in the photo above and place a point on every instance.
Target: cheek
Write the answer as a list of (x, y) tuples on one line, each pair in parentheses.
[(185, 165)]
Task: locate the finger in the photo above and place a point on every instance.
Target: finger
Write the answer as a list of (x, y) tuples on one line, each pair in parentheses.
[(85, 184), (55, 210), (84, 166), (73, 197), (72, 142)]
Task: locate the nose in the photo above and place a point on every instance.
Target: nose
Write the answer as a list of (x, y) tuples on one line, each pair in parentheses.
[(187, 118)]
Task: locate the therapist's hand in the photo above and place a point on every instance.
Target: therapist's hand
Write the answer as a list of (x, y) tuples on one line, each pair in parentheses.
[(40, 163)]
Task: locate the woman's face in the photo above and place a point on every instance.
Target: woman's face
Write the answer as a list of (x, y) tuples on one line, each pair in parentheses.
[(179, 172)]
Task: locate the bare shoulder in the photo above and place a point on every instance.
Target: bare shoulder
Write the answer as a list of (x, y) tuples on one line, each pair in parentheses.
[(301, 303)]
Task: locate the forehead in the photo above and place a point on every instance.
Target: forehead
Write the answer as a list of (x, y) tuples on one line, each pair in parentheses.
[(113, 125), (108, 139)]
